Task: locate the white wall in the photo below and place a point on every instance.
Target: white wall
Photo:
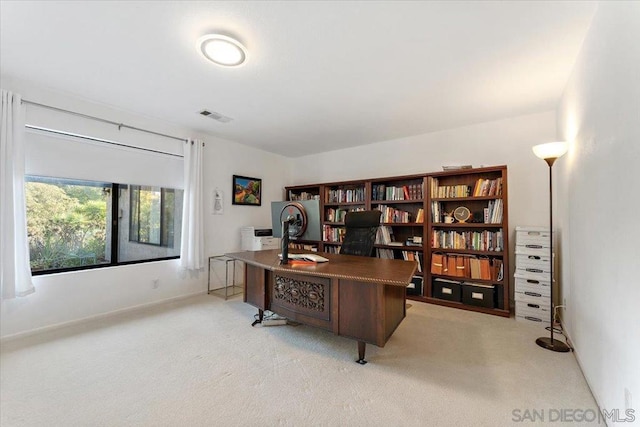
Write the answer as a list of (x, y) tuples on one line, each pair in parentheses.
[(68, 297), (504, 142), (598, 191)]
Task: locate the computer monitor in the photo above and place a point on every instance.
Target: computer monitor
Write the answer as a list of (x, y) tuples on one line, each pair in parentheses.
[(312, 210)]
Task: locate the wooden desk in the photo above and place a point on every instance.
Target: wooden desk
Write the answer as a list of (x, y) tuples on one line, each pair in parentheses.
[(356, 297)]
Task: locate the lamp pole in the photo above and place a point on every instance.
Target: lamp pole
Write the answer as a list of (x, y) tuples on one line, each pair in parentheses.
[(550, 152)]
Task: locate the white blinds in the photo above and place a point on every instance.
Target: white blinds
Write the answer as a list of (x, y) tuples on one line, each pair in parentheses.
[(50, 154)]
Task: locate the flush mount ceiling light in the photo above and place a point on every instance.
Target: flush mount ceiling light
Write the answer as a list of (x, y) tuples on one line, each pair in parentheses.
[(222, 50)]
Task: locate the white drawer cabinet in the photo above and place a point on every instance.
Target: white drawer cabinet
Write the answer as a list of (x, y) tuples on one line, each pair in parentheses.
[(532, 274)]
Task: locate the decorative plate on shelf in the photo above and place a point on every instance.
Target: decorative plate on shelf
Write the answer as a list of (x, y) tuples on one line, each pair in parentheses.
[(462, 214)]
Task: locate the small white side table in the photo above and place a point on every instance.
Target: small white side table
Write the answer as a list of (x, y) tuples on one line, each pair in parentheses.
[(230, 288)]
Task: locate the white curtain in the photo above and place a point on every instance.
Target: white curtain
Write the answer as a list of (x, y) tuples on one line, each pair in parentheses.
[(15, 273), (192, 245)]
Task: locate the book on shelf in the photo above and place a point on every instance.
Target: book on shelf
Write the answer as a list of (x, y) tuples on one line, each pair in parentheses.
[(467, 266), (391, 215), (333, 234), (332, 249), (303, 195), (451, 265), (384, 235), (487, 187), (413, 256), (433, 187), (338, 214), (438, 264), (461, 266), (493, 212), (413, 241), (485, 269), (385, 253), (475, 268), (304, 246), (451, 191), (485, 240), (403, 192), (341, 195), (436, 215)]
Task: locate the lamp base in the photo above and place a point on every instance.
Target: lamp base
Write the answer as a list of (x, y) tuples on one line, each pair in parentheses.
[(555, 345)]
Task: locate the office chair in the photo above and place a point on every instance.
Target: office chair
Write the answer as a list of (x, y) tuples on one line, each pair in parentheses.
[(360, 236)]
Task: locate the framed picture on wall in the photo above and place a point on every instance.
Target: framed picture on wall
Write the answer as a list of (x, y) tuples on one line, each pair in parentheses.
[(247, 191)]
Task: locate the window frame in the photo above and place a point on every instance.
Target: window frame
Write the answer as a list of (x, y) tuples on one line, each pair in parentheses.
[(115, 229)]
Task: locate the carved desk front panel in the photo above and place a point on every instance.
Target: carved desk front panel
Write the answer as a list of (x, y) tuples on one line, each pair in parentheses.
[(302, 296)]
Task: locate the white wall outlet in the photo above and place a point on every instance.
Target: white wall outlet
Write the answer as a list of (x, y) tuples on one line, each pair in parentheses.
[(155, 283), (628, 404)]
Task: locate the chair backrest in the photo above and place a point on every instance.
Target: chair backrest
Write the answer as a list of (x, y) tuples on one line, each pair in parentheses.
[(360, 236)]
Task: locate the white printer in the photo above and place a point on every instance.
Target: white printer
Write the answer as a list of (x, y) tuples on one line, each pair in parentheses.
[(258, 239)]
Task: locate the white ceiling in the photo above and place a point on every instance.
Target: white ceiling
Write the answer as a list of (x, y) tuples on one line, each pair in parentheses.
[(320, 76)]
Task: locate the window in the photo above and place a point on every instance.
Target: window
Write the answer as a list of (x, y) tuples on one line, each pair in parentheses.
[(70, 226), (67, 223), (150, 220), (151, 215)]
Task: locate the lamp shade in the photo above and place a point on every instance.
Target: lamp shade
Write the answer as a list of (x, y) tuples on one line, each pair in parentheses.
[(550, 150)]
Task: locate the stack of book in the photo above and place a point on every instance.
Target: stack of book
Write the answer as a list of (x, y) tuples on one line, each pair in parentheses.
[(338, 214), (333, 234), (345, 196), (390, 214), (413, 256), (449, 191), (485, 240), (303, 196), (493, 212), (404, 192), (384, 235)]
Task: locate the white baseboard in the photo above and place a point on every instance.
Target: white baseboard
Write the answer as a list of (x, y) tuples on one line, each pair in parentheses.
[(576, 354), (61, 325)]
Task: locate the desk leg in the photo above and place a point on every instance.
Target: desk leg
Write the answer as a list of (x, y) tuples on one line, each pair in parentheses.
[(362, 346), (260, 317)]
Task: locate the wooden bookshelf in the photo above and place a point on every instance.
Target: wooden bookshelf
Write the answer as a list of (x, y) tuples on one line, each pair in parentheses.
[(401, 201), (483, 238), (413, 208)]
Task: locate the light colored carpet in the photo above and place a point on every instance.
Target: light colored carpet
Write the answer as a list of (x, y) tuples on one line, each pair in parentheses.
[(198, 362)]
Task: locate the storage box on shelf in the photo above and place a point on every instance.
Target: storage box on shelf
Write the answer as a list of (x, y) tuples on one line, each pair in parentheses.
[(532, 274), (447, 289), (467, 239), (479, 295), (415, 287)]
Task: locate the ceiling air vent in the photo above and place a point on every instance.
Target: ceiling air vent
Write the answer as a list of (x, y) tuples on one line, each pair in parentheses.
[(215, 116)]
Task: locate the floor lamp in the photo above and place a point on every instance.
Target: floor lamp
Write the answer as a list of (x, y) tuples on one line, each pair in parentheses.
[(550, 152)]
